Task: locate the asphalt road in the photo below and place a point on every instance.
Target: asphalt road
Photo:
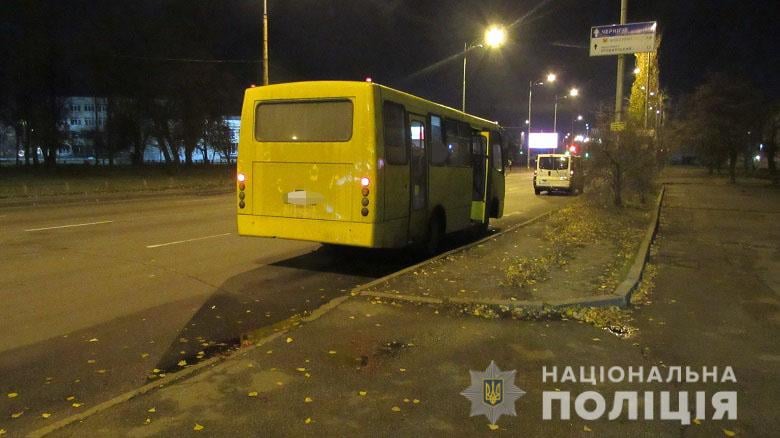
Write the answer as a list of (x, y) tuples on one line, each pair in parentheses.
[(98, 299)]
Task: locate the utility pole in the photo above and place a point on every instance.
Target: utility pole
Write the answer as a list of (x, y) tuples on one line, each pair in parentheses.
[(621, 67), (463, 99), (528, 140), (265, 42)]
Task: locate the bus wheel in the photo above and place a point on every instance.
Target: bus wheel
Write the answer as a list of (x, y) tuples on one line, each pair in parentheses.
[(435, 234), (537, 191)]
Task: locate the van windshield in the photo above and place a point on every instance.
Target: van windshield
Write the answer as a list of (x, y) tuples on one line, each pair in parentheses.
[(554, 163), (304, 121)]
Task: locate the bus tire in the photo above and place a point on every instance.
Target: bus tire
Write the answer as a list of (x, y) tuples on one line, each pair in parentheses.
[(537, 191)]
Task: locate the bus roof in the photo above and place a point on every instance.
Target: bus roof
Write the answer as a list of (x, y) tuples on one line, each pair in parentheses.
[(346, 86)]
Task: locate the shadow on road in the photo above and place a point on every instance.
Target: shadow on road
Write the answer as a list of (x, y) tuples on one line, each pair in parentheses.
[(258, 300)]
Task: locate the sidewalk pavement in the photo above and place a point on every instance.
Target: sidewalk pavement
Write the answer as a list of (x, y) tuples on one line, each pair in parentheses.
[(380, 368)]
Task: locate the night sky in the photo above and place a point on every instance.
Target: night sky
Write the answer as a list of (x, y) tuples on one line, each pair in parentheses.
[(413, 45)]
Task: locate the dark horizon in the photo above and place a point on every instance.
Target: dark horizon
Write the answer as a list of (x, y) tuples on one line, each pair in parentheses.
[(402, 44)]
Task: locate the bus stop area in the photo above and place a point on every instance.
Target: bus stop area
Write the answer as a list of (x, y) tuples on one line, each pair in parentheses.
[(373, 365)]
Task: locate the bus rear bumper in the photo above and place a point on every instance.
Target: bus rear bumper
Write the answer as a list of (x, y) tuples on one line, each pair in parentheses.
[(314, 230)]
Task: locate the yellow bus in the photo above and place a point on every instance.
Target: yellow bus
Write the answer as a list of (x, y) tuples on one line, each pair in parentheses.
[(361, 164)]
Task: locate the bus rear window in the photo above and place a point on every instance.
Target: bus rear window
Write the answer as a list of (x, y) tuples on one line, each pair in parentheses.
[(554, 163), (304, 121)]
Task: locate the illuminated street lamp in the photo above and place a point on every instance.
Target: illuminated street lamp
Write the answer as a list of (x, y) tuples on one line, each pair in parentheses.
[(550, 79), (495, 37), (572, 93)]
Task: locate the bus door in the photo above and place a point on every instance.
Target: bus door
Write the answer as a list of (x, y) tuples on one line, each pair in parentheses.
[(418, 176), (497, 175), (479, 186)]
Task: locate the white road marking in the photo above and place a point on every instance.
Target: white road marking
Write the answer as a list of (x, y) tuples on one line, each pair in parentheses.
[(69, 226), (188, 240)]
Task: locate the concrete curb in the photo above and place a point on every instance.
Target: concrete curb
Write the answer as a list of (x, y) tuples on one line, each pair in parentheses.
[(621, 296)]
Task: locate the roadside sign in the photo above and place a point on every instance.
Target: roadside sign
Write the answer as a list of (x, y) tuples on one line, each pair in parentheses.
[(617, 126), (622, 39)]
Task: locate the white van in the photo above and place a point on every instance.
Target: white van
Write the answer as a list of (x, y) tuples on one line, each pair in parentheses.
[(558, 172)]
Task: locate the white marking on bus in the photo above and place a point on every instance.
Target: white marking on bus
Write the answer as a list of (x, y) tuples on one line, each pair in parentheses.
[(187, 240), (69, 226)]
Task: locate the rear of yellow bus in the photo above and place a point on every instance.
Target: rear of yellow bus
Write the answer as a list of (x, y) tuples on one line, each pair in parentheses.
[(307, 163)]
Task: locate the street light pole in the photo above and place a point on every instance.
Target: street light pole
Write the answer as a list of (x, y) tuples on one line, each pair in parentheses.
[(265, 42), (528, 140), (463, 99)]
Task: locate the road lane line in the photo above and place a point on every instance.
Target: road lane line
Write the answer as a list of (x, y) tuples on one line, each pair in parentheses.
[(188, 240), (69, 226)]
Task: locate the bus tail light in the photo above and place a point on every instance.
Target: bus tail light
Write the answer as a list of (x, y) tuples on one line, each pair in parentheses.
[(364, 182), (241, 187)]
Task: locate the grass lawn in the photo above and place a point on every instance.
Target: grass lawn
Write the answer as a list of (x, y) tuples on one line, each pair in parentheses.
[(21, 183)]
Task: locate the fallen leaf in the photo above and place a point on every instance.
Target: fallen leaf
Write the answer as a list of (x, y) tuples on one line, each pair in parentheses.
[(148, 421), (77, 405), (415, 401), (307, 420), (91, 361), (307, 375), (156, 370), (45, 415), (307, 400), (182, 363), (252, 394), (16, 415), (12, 395), (269, 352), (151, 410), (71, 398), (406, 400), (729, 432), (403, 370), (2, 432), (300, 369), (696, 421), (493, 426), (586, 429), (395, 409), (332, 352), (144, 355), (93, 340), (363, 393), (289, 340), (101, 371), (197, 427)]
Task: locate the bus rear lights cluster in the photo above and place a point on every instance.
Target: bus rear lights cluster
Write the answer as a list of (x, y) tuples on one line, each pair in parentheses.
[(364, 182), (241, 187)]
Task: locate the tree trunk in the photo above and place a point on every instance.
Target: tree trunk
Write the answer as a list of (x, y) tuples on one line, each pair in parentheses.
[(617, 185)]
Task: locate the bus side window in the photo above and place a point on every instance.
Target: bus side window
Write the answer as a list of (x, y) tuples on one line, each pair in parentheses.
[(439, 153), (496, 151), (458, 138), (496, 157), (394, 121)]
